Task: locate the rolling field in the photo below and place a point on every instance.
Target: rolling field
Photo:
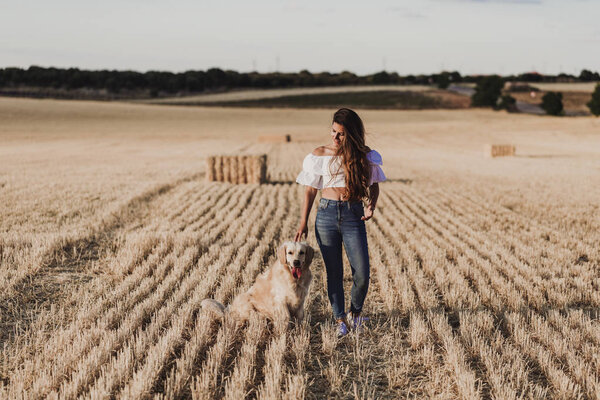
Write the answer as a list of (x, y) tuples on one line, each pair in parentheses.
[(586, 87), (485, 272), (378, 100), (257, 94)]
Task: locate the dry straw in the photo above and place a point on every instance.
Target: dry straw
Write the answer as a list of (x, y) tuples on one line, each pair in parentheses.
[(499, 150), (237, 169), (274, 138)]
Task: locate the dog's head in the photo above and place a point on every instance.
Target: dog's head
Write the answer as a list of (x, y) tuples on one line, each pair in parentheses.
[(296, 256)]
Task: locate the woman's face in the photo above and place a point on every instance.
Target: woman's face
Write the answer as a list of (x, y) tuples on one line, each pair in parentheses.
[(337, 134)]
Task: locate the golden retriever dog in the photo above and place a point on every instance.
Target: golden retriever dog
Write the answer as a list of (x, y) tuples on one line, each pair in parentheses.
[(279, 292)]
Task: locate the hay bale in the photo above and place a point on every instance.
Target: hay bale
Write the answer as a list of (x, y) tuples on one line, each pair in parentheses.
[(219, 169), (274, 138), (233, 169), (499, 150), (253, 170), (242, 169), (226, 166), (210, 169), (257, 169), (237, 169), (260, 165)]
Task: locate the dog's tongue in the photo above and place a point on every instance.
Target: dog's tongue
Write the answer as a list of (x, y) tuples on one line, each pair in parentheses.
[(296, 271)]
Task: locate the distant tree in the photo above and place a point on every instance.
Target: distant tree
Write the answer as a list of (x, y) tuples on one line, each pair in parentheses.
[(381, 78), (455, 77), (193, 81), (162, 83), (442, 80), (589, 76), (423, 79), (395, 78), (508, 103), (324, 79), (470, 78), (531, 77), (487, 91), (552, 103), (112, 84), (594, 103), (216, 78), (305, 78), (562, 77)]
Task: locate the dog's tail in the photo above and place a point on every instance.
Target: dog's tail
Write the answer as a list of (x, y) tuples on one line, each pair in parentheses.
[(213, 306)]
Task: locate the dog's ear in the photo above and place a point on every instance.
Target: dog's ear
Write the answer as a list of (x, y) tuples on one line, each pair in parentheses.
[(281, 254), (310, 252)]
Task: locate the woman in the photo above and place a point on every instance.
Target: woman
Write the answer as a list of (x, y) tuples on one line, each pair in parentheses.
[(347, 172)]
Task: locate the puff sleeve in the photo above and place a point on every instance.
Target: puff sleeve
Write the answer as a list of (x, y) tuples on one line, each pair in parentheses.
[(311, 174), (376, 162)]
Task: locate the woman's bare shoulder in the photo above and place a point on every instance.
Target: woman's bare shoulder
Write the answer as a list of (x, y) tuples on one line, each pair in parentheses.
[(323, 151)]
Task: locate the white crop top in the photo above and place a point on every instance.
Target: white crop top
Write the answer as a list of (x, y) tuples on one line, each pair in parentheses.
[(317, 171)]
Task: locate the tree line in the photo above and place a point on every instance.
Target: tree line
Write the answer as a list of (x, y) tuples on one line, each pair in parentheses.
[(488, 93), (161, 83)]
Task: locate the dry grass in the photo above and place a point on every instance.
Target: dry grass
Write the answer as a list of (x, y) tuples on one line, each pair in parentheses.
[(484, 272), (275, 138)]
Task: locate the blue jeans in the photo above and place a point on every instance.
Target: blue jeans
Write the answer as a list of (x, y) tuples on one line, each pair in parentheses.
[(339, 222)]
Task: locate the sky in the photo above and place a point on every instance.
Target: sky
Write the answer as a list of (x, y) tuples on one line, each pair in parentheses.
[(404, 36)]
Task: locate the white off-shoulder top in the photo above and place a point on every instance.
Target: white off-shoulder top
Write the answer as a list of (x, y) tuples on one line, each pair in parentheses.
[(318, 173)]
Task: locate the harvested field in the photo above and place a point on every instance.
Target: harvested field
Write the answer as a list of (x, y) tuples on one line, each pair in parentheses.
[(574, 102), (378, 99), (255, 94), (585, 87), (275, 138), (485, 272)]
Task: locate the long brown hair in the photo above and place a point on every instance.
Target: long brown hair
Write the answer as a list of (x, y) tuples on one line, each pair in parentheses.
[(353, 154)]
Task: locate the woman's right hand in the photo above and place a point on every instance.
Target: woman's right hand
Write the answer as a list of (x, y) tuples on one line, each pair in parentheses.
[(302, 231)]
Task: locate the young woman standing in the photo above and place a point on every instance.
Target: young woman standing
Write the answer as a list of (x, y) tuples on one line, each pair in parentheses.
[(347, 172)]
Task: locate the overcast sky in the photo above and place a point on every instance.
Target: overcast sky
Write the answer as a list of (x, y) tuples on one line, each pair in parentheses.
[(406, 36)]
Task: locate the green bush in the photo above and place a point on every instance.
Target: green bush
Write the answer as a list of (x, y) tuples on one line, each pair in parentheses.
[(508, 103), (552, 103), (487, 91), (442, 80), (589, 76), (594, 103)]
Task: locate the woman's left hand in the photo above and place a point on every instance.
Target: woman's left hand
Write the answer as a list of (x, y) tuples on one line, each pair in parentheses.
[(368, 214)]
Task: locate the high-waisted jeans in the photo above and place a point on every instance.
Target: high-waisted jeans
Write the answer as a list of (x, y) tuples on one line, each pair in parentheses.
[(340, 222)]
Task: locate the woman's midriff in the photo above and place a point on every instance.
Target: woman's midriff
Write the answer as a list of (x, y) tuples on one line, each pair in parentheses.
[(333, 193)]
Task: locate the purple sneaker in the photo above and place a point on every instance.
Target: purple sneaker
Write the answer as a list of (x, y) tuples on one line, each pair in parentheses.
[(356, 322), (342, 328)]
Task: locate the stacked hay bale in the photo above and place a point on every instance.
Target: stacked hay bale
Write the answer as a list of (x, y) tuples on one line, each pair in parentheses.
[(499, 150), (275, 138), (237, 169)]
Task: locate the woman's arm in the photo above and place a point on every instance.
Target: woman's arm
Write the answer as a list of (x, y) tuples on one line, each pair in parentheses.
[(373, 196), (309, 197)]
